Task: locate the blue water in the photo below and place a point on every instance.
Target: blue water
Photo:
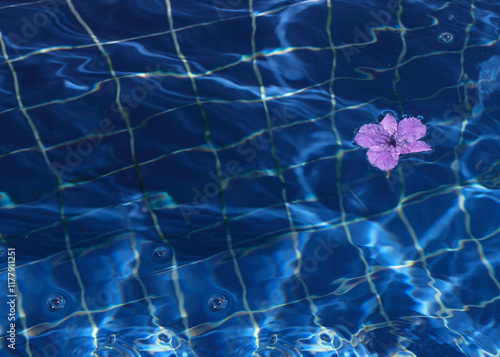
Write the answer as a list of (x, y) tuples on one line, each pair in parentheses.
[(179, 178)]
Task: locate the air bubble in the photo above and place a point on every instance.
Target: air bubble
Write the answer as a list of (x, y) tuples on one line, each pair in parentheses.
[(167, 337), (273, 338), (445, 38), (163, 337), (420, 117), (161, 253), (55, 302), (217, 302), (109, 345), (404, 116), (326, 336)]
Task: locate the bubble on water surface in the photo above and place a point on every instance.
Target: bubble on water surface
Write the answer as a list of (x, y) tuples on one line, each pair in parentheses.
[(217, 302), (326, 336), (55, 302), (111, 338), (451, 18), (445, 38), (161, 253), (275, 348), (169, 340), (109, 346), (163, 337)]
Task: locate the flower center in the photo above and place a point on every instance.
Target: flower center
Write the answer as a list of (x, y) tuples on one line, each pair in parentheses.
[(392, 141)]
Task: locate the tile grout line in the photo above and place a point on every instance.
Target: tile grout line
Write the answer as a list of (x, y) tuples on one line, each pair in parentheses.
[(67, 239), (210, 146), (344, 222), (41, 148), (338, 168), (279, 172), (402, 34), (123, 113), (400, 208), (329, 11), (461, 199)]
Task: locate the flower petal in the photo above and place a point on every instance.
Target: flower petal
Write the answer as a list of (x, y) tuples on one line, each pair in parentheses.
[(408, 148), (410, 130), (370, 135), (383, 157), (390, 124)]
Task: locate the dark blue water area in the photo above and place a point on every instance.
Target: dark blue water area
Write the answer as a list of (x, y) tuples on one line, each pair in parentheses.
[(180, 178)]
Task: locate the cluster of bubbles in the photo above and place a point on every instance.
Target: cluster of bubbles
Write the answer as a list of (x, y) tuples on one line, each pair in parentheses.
[(215, 303), (447, 37)]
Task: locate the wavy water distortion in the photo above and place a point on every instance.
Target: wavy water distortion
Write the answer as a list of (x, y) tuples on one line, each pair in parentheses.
[(179, 178)]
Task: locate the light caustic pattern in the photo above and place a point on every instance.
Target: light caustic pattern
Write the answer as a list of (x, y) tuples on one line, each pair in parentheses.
[(181, 177)]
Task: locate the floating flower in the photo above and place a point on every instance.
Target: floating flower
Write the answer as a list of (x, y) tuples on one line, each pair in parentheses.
[(389, 139)]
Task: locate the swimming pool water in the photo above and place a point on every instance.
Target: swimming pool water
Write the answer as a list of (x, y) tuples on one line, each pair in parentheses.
[(179, 178)]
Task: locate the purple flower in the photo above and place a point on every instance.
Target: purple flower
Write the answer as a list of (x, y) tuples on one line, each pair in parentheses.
[(389, 139)]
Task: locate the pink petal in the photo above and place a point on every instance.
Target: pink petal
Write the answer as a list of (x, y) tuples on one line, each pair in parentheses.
[(410, 130), (383, 157), (370, 135), (390, 124), (408, 148)]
